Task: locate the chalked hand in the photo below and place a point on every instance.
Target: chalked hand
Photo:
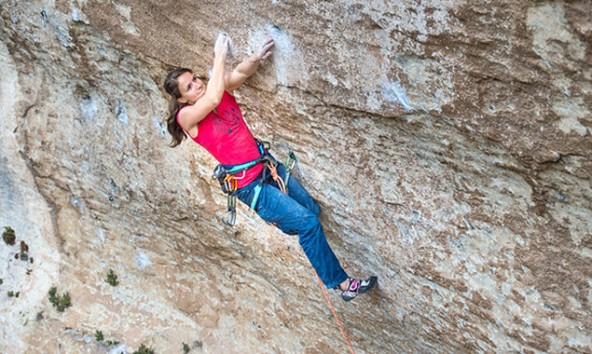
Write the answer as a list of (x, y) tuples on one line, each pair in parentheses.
[(222, 46), (265, 50)]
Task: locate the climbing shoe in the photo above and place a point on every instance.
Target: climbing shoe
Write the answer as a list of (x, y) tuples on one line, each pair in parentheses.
[(358, 286)]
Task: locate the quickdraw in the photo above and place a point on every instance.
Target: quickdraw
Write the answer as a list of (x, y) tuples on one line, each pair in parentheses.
[(290, 163), (230, 187)]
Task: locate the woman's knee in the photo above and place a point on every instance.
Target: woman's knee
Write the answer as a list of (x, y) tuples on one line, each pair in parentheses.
[(310, 224), (316, 209)]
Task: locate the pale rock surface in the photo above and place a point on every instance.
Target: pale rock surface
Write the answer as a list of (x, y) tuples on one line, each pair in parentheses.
[(448, 143)]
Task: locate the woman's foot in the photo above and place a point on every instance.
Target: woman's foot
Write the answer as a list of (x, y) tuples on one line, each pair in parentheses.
[(354, 287)]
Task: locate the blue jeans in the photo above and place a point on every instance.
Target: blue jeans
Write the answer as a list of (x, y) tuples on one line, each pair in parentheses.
[(296, 213)]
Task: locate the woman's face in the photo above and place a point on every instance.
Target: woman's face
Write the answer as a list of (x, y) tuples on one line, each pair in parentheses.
[(190, 87)]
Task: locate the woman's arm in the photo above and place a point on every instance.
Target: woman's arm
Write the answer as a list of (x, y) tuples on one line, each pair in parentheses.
[(248, 66), (192, 114)]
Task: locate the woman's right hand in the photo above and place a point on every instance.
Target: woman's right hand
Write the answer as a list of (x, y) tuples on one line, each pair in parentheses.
[(222, 45)]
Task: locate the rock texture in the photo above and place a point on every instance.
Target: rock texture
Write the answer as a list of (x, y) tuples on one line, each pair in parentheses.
[(448, 143)]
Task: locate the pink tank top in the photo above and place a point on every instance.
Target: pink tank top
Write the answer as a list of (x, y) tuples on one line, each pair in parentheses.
[(225, 134)]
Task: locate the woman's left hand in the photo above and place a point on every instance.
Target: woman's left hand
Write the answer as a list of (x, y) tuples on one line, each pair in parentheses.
[(265, 50)]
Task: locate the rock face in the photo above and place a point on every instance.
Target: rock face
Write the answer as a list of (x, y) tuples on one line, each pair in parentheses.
[(448, 143)]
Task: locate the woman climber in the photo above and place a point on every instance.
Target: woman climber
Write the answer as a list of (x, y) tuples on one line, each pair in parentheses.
[(210, 116)]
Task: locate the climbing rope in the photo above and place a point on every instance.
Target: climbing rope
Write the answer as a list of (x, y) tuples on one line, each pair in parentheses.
[(229, 184), (335, 314), (290, 163), (276, 177)]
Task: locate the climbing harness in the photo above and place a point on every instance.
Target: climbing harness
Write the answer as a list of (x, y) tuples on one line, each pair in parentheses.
[(228, 177)]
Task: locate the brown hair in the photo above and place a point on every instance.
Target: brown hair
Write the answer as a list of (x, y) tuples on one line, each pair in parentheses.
[(172, 88)]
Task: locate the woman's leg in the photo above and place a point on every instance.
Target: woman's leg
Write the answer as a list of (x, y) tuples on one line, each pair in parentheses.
[(298, 192), (291, 217)]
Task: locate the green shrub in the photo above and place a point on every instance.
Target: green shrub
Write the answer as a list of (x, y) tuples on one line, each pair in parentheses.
[(112, 278), (144, 350), (99, 336), (9, 236), (59, 302), (65, 302), (52, 295)]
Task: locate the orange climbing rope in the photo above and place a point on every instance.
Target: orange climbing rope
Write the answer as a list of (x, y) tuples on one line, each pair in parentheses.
[(276, 177), (282, 185), (335, 314)]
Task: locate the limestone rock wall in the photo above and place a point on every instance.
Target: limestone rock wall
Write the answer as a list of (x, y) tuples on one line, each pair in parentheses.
[(448, 143)]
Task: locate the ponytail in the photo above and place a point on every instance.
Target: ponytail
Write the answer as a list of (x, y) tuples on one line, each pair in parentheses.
[(172, 88)]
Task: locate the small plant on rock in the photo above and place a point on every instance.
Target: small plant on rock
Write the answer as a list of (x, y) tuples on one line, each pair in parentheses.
[(99, 336), (186, 348), (112, 278), (59, 302), (52, 295), (143, 350), (65, 302), (24, 247), (9, 236), (24, 255)]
